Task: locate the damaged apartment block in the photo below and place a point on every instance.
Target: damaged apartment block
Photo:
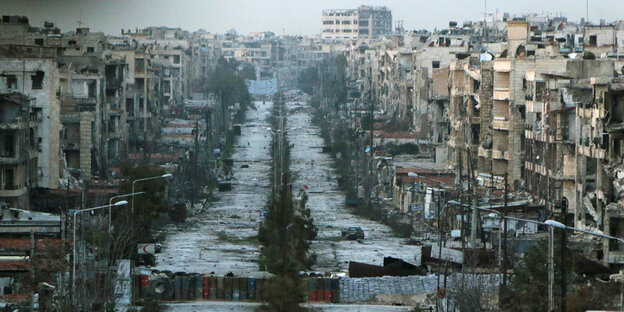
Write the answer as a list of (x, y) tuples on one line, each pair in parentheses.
[(18, 148)]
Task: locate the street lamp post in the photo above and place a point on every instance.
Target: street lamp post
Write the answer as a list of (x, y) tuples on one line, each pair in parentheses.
[(110, 203), (119, 203), (164, 176)]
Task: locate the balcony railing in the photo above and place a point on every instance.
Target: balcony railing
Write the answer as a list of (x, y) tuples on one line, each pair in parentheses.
[(500, 125)]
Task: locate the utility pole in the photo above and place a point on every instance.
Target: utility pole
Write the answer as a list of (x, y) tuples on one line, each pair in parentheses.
[(372, 122), (551, 269), (209, 133), (194, 173), (461, 206), (564, 210), (504, 266)]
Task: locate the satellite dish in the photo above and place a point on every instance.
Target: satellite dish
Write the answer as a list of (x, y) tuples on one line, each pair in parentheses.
[(486, 57)]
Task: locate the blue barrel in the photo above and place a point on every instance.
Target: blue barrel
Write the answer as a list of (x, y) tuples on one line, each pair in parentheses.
[(177, 288), (251, 288), (191, 286), (235, 288), (227, 288), (199, 286), (185, 287)]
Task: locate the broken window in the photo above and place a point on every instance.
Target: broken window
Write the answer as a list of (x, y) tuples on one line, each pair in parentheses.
[(71, 42), (176, 59), (90, 49), (9, 179), (91, 86), (139, 65), (39, 41), (593, 40), (435, 64), (7, 149), (11, 81), (540, 86), (37, 80)]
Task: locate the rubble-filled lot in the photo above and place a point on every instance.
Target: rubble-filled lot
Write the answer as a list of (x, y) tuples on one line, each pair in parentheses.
[(222, 238), (313, 169)]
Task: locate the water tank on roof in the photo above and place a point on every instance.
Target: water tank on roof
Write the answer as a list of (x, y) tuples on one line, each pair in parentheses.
[(452, 24), (486, 57)]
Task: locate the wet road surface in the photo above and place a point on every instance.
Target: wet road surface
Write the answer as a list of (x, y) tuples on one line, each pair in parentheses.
[(313, 169), (222, 237)]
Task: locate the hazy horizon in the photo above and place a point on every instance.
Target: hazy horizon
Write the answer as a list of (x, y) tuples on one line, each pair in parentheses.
[(301, 17)]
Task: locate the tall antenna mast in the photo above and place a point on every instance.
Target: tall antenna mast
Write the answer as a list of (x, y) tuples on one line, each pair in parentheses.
[(586, 22), (80, 19), (485, 19)]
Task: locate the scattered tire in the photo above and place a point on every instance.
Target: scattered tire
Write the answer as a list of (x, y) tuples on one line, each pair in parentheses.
[(161, 288)]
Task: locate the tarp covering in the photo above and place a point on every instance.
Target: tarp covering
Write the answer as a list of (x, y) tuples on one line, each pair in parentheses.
[(262, 87)]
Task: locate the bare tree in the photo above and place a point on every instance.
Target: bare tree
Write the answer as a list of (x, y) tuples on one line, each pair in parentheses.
[(96, 271)]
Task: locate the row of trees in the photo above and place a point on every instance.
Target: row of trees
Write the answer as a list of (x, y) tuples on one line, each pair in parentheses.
[(285, 232)]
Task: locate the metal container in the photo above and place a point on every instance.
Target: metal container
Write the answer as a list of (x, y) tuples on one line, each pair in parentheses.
[(251, 288), (191, 286), (327, 290), (320, 292), (227, 288), (177, 287), (213, 287), (335, 288), (235, 288), (185, 287), (243, 288), (144, 285), (199, 287), (220, 291), (205, 287), (312, 289)]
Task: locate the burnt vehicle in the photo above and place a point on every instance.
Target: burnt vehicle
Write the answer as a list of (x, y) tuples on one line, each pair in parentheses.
[(352, 233)]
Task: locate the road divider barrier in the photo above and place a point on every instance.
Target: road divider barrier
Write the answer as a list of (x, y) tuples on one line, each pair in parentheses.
[(181, 286)]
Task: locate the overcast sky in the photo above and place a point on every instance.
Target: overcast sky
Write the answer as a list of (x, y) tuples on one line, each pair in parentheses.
[(289, 16)]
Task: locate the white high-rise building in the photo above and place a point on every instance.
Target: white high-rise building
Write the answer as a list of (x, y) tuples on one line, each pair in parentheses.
[(363, 22)]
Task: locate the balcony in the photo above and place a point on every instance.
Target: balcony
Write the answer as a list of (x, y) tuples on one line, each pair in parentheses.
[(19, 123), (502, 66), (483, 152), (498, 154), (501, 94), (537, 168), (615, 257), (13, 193), (500, 125), (591, 151)]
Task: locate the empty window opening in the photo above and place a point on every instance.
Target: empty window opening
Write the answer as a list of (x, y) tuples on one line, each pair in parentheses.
[(593, 40), (37, 80), (11, 81)]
